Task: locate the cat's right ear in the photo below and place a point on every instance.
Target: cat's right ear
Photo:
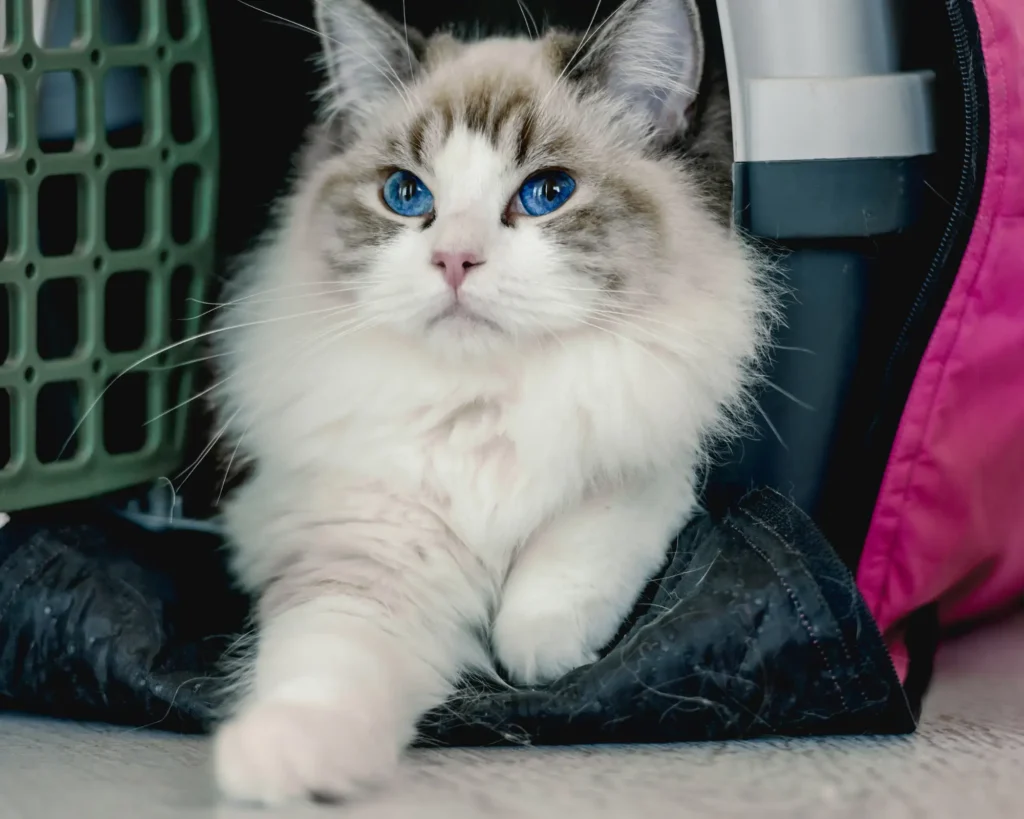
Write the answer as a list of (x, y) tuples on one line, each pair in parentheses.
[(367, 56)]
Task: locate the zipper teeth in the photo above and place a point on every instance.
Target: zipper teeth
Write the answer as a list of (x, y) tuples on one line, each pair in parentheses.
[(970, 147)]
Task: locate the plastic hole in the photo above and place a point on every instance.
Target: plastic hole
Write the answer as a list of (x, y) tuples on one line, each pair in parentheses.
[(95, 56), (175, 387), (164, 256), (161, 53), (58, 322), (58, 405), (28, 61), (62, 24), (31, 166), (125, 412), (184, 203), (59, 211), (126, 299), (10, 94), (30, 375), (124, 106), (127, 209), (120, 21), (6, 324), (7, 13), (57, 107), (30, 271), (10, 204), (6, 429), (182, 103), (99, 160), (177, 19), (97, 366), (183, 310), (97, 263)]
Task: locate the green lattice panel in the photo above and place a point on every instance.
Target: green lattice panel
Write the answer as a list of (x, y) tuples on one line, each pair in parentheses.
[(105, 244)]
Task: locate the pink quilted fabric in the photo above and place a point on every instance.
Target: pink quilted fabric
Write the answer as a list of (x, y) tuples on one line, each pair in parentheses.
[(948, 524)]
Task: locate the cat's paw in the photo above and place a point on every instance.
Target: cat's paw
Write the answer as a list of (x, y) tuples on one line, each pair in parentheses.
[(538, 638), (275, 753)]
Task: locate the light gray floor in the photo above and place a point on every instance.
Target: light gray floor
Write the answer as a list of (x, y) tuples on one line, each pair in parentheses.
[(966, 761)]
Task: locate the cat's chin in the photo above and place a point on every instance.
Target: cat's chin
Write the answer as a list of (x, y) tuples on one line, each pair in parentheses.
[(459, 319), (458, 331)]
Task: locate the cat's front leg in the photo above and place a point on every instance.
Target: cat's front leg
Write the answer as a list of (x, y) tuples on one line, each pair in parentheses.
[(366, 617), (578, 578)]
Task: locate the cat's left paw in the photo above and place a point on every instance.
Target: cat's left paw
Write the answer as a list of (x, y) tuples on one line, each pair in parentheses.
[(539, 637)]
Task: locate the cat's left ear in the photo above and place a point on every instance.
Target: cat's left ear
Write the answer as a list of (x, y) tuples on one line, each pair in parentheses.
[(367, 56), (651, 53)]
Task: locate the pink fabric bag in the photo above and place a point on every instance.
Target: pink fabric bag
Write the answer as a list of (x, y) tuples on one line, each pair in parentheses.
[(948, 524)]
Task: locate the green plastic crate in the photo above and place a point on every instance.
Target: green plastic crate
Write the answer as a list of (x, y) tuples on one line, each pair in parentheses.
[(106, 244)]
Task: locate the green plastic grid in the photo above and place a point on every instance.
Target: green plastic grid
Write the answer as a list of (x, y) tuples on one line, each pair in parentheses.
[(164, 276)]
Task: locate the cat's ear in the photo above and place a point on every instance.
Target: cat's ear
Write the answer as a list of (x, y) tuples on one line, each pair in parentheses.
[(650, 53), (367, 56)]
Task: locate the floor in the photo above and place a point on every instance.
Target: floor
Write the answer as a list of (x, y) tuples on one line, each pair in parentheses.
[(967, 760)]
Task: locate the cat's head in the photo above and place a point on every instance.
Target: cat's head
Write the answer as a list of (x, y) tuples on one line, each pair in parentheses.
[(508, 190)]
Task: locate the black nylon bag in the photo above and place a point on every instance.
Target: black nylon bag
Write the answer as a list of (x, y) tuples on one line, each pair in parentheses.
[(754, 627)]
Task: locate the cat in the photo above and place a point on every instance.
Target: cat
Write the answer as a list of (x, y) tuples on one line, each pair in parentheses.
[(475, 367)]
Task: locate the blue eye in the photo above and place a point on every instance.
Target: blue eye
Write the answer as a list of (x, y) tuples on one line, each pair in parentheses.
[(406, 195), (546, 192)]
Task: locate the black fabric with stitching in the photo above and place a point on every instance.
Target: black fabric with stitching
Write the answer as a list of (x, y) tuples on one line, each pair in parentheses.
[(753, 627)]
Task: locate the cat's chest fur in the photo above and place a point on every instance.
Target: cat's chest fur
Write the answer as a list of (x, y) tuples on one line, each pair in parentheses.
[(492, 450)]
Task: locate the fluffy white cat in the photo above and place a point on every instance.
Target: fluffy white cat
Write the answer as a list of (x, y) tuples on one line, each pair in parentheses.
[(474, 367)]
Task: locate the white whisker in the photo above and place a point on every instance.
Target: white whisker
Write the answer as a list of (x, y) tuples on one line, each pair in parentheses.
[(602, 290), (173, 346), (629, 319), (332, 335), (771, 426), (583, 42), (186, 402), (396, 83), (793, 349), (189, 470), (633, 342), (408, 48), (177, 365), (527, 19), (789, 395), (254, 298)]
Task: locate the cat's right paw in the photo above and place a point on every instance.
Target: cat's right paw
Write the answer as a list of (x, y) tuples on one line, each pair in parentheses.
[(274, 753)]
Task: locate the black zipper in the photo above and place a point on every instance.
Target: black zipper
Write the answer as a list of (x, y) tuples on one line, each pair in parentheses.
[(965, 189), (915, 332)]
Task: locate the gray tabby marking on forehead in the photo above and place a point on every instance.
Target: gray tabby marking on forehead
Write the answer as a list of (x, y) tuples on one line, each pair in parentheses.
[(501, 108), (490, 105)]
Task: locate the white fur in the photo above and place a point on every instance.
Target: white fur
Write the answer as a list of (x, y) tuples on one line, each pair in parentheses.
[(418, 481)]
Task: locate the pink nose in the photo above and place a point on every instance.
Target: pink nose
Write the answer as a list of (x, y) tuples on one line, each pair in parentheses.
[(455, 266)]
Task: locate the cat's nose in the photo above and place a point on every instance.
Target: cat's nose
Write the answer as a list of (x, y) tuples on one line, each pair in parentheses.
[(455, 266)]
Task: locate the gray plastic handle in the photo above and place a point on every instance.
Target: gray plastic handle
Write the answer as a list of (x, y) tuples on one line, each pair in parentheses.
[(821, 79)]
